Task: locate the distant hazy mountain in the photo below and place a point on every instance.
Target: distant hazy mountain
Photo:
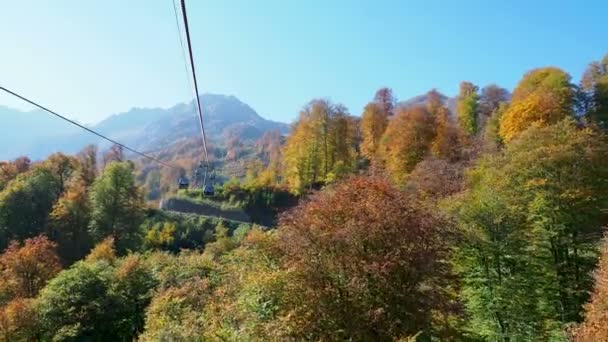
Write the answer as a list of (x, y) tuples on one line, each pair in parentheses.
[(421, 100), (20, 131), (37, 134)]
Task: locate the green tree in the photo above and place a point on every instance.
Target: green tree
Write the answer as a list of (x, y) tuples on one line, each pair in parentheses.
[(76, 304), (132, 289), (117, 207), (26, 203), (467, 106), (530, 225)]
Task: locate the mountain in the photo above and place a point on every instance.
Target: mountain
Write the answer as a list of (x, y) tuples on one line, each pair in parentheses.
[(421, 100), (20, 131), (38, 134)]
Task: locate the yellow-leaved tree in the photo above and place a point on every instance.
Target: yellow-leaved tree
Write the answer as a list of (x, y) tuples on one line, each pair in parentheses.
[(543, 97)]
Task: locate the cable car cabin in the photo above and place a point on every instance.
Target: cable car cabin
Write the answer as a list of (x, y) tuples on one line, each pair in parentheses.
[(208, 190), (183, 183)]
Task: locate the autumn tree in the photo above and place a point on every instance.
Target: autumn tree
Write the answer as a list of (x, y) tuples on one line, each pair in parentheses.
[(29, 267), (490, 99), (373, 125), (467, 106), (116, 206), (446, 143), (385, 100), (320, 147), (595, 85), (87, 158), (176, 313), (114, 154), (19, 321), (435, 179), (407, 141), (62, 167), (269, 151), (543, 97), (69, 221), (9, 170), (594, 327), (103, 251), (250, 300), (362, 273)]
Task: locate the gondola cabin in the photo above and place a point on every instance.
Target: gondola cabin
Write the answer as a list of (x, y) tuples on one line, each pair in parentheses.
[(208, 190), (183, 183)]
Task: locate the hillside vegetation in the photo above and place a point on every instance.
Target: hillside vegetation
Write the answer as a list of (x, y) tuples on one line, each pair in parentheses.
[(477, 219)]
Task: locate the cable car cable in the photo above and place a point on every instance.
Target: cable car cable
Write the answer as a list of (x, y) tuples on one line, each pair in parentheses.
[(87, 129), (198, 101)]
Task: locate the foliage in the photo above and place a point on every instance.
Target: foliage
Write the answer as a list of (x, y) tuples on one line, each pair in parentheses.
[(446, 143), (19, 321), (26, 203), (117, 207), (373, 125), (174, 231), (543, 97), (529, 226), (69, 221), (174, 314), (492, 141), (76, 304), (467, 106), (594, 327), (97, 300), (385, 100), (322, 143), (595, 85), (103, 251), (26, 269), (492, 96), (406, 141), (247, 303), (10, 170), (357, 272)]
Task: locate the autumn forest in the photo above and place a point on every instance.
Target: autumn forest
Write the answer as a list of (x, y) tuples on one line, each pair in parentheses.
[(480, 221)]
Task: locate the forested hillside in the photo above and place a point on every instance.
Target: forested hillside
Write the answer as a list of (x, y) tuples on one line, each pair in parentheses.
[(480, 218)]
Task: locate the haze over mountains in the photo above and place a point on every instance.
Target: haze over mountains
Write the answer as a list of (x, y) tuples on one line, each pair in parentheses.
[(38, 134)]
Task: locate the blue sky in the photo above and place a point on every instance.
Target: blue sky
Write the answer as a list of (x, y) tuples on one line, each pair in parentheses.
[(90, 59)]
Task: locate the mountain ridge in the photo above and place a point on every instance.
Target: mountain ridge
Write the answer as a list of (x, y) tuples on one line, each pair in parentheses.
[(141, 128)]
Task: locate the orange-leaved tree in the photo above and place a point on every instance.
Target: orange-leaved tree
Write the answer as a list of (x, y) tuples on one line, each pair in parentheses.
[(367, 262), (407, 141), (26, 269)]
